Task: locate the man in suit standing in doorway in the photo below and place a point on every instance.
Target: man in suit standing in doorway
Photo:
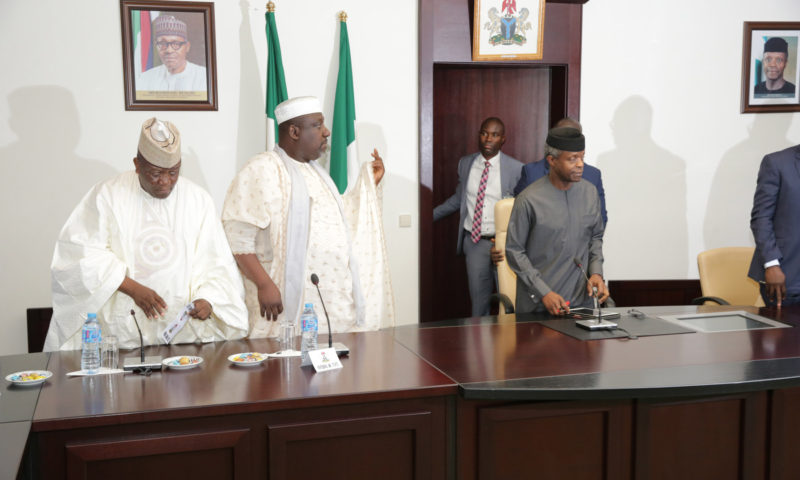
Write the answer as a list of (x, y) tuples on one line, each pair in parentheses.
[(483, 178), (775, 222)]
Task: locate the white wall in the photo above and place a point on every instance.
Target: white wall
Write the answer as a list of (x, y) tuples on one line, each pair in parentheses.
[(63, 125), (660, 93)]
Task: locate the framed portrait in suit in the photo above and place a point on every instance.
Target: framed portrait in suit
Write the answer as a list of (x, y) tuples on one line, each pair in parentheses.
[(770, 70), (169, 60), (507, 30)]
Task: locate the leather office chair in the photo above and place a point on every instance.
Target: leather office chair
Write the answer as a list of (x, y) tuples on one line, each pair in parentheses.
[(506, 279), (723, 277)]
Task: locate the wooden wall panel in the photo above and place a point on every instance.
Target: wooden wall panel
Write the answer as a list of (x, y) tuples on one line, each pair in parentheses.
[(402, 438), (572, 440), (466, 95), (719, 437), (784, 426), (388, 447), (219, 455), (643, 293), (445, 28)]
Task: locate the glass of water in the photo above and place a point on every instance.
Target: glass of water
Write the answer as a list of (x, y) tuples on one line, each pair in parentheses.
[(286, 337), (109, 351)]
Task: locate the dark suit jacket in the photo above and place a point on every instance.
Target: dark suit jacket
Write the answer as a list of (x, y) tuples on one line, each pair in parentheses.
[(536, 170), (775, 219), (510, 169)]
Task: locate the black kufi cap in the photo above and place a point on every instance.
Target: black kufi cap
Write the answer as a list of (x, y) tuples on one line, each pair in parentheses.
[(776, 44), (566, 138)]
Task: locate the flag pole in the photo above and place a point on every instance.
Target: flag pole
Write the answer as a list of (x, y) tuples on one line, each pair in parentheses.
[(343, 166), (276, 80)]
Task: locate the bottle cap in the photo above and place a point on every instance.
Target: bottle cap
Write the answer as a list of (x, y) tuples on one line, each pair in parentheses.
[(91, 315), (309, 305)]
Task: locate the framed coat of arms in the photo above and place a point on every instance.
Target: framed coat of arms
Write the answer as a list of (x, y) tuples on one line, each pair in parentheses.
[(507, 30)]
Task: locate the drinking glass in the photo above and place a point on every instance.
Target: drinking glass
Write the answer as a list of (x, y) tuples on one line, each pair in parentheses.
[(286, 338), (109, 351)]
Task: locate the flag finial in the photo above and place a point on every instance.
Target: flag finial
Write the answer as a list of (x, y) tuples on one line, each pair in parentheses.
[(343, 16), (270, 7)]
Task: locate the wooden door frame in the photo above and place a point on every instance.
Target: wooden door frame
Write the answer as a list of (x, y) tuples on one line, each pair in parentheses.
[(449, 42)]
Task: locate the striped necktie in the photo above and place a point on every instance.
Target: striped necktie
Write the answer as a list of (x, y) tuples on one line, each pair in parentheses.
[(476, 219)]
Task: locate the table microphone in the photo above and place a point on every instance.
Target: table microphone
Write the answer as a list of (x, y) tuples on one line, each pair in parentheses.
[(341, 349), (598, 324), (144, 363)]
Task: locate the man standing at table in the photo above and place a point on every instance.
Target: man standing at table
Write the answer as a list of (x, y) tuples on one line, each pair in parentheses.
[(775, 223), (483, 179), (285, 220), (555, 222), (150, 241)]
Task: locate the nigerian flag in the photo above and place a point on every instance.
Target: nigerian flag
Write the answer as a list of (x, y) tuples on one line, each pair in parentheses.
[(344, 164), (276, 82)]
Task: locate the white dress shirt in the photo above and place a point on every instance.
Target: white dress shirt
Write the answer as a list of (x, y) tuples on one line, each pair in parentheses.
[(494, 192)]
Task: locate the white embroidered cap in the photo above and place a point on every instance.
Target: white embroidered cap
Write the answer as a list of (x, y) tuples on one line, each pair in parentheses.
[(160, 143), (296, 107)]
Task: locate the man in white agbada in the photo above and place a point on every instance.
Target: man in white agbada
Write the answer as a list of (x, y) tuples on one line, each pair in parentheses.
[(148, 241), (175, 73), (286, 220)]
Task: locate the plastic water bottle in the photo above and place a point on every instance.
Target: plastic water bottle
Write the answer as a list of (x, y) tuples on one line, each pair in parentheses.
[(309, 326), (90, 348)]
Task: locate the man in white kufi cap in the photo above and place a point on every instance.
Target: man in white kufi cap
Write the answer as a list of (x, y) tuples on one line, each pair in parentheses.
[(149, 241), (285, 220)]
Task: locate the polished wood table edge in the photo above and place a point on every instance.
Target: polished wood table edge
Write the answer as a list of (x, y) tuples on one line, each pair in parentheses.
[(65, 423), (427, 361), (544, 317), (18, 403), (679, 381)]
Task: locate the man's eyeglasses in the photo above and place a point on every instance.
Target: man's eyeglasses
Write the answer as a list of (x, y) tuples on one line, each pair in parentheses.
[(173, 45)]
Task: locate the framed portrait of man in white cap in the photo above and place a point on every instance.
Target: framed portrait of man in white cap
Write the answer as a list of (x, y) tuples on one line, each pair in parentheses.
[(169, 60), (770, 70)]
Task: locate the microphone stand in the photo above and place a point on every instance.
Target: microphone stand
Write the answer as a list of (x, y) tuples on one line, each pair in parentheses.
[(341, 349), (598, 323), (142, 364)]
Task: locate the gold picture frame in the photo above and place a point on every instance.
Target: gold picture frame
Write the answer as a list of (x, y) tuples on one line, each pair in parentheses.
[(507, 30)]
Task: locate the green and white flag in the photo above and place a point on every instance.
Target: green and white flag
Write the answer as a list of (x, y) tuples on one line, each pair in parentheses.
[(344, 162), (276, 82)]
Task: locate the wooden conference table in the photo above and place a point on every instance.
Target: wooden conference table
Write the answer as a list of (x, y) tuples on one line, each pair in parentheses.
[(469, 398)]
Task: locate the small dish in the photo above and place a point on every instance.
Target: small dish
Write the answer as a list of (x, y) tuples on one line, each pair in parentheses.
[(247, 359), (182, 362), (29, 377)]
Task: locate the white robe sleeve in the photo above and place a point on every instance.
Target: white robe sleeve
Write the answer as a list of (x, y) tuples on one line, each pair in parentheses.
[(363, 211), (85, 272), (216, 278)]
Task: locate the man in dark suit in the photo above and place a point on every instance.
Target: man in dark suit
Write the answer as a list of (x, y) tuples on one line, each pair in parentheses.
[(775, 222), (535, 170), (483, 179)]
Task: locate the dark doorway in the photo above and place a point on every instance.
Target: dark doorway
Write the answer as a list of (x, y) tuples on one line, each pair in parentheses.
[(464, 95)]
